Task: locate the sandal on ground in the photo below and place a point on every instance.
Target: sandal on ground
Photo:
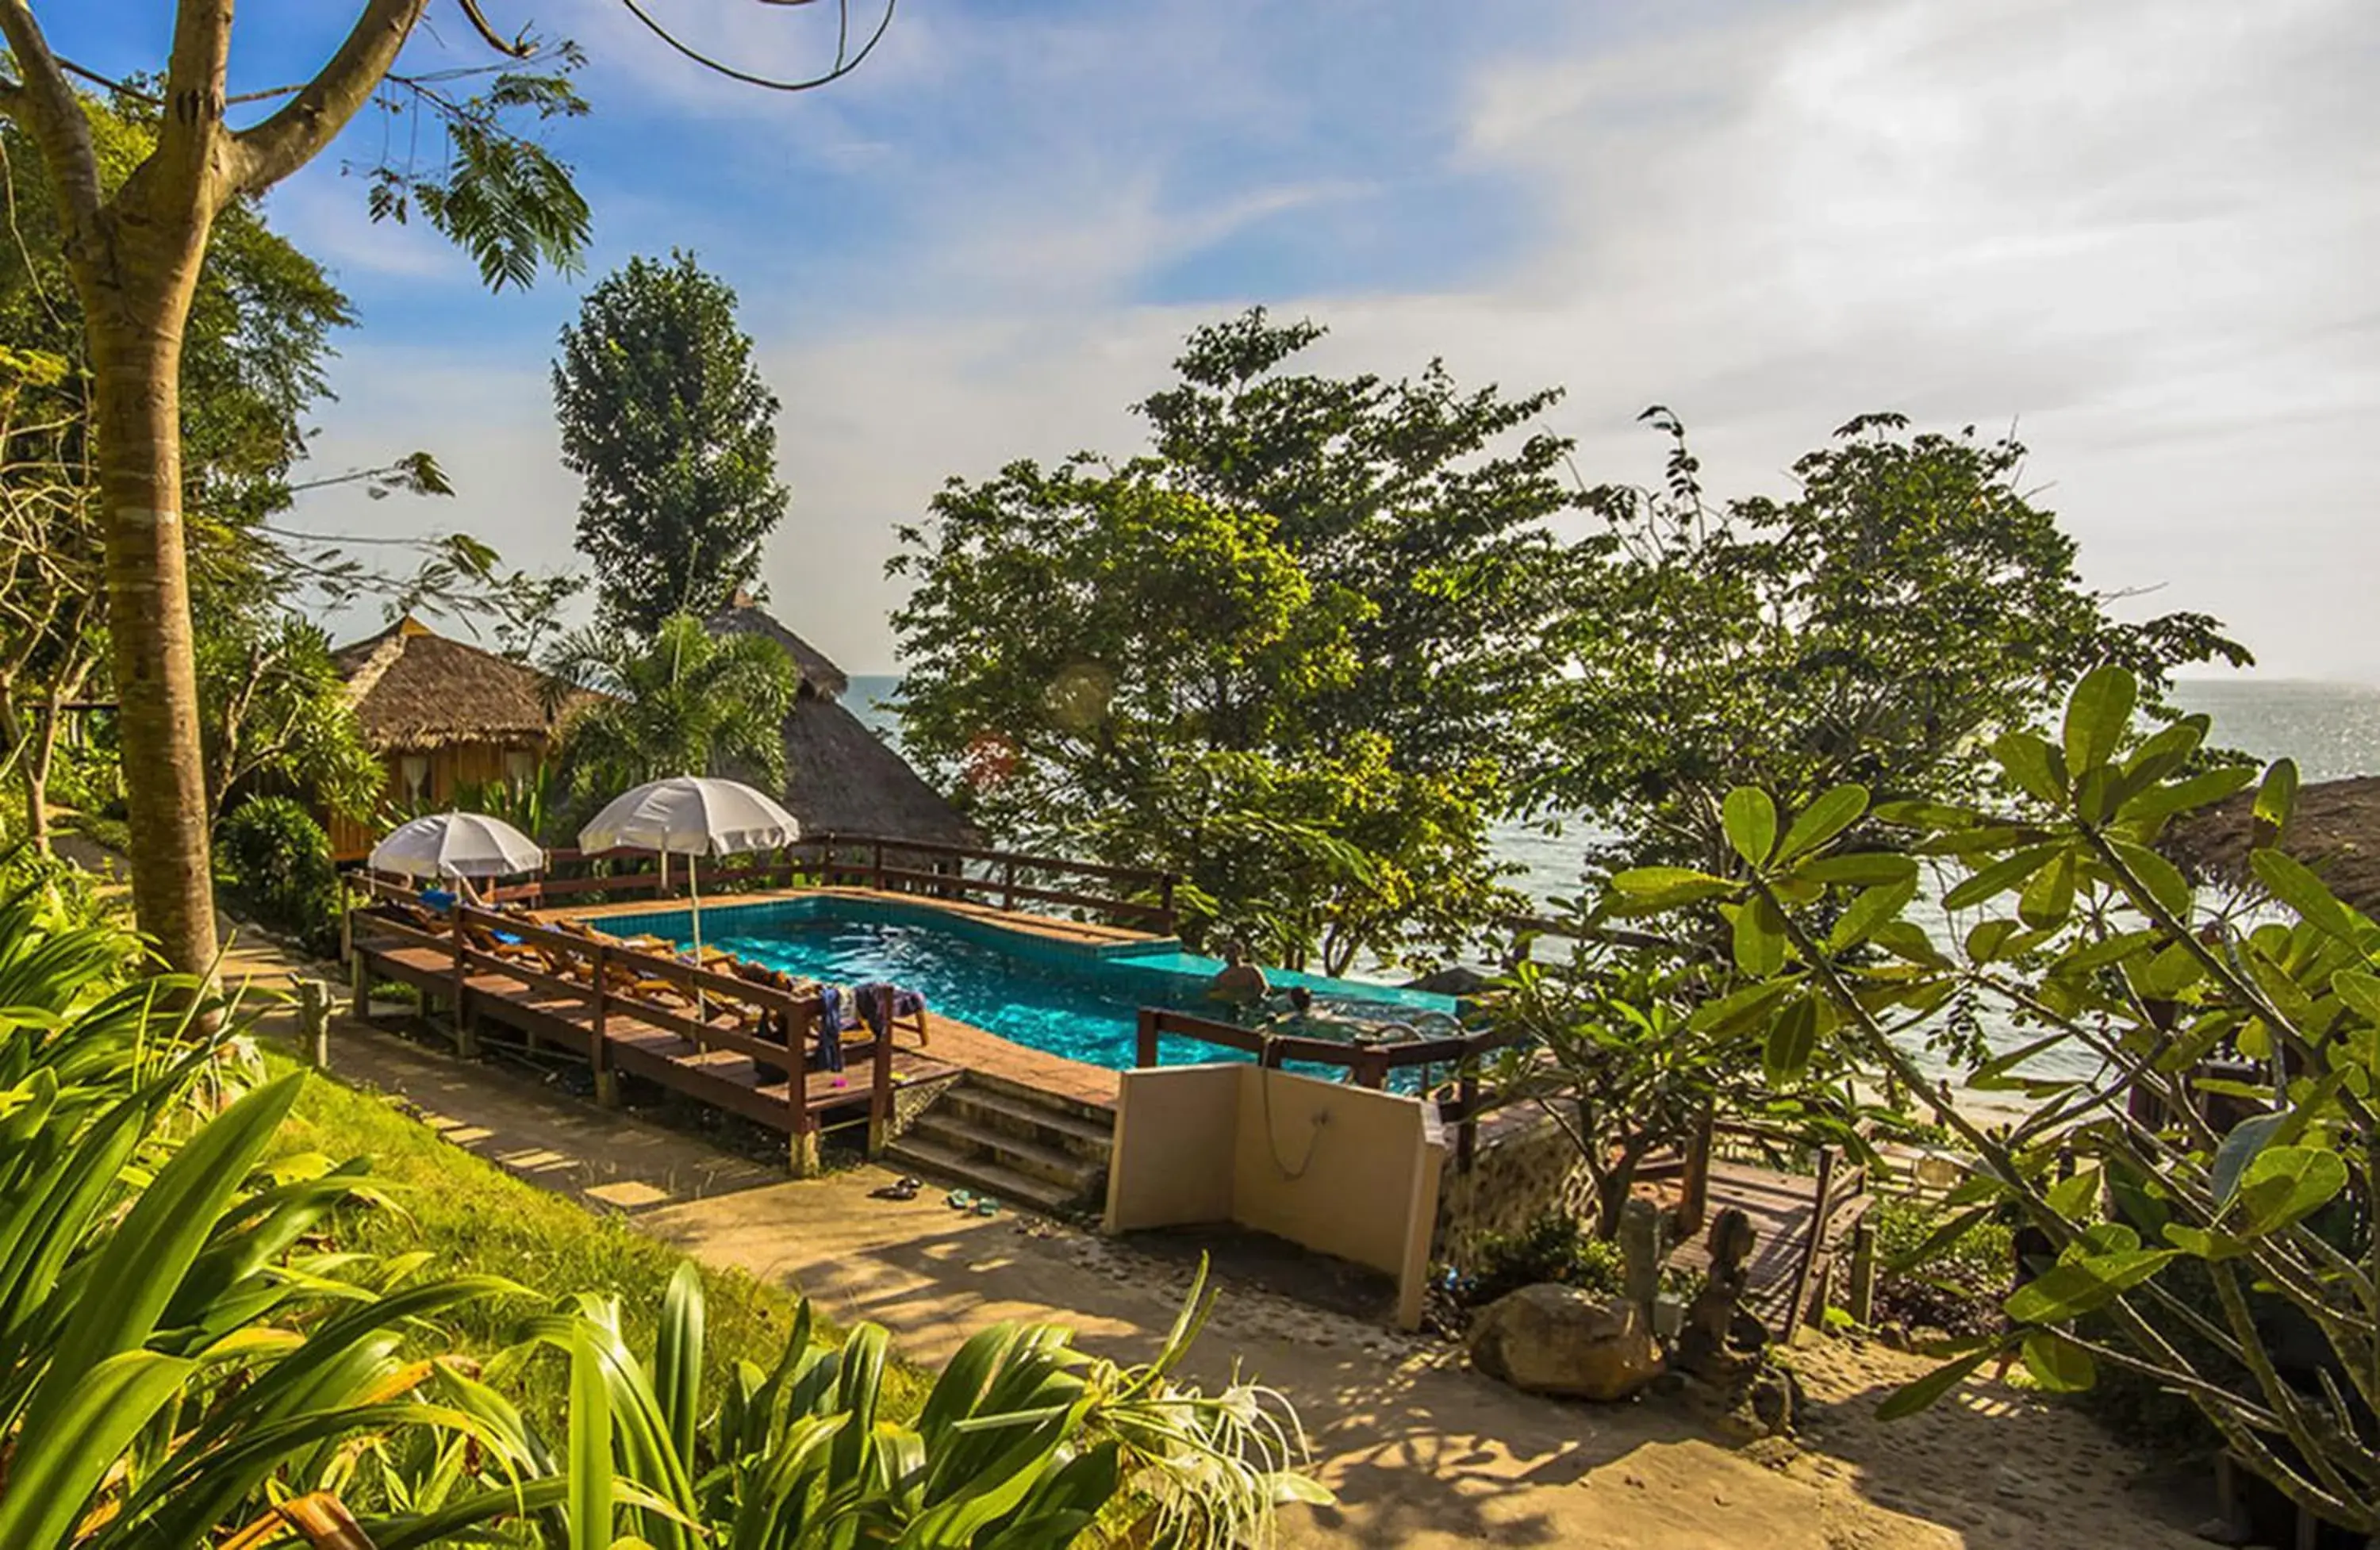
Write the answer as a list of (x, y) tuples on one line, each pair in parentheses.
[(961, 1201)]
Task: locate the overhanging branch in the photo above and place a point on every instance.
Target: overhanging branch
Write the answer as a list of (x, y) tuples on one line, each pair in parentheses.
[(287, 141), (46, 106)]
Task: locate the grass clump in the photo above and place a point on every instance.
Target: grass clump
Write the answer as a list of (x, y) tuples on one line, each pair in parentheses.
[(473, 1218)]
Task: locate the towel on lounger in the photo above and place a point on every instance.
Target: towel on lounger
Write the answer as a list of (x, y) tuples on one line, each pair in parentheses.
[(881, 1002)]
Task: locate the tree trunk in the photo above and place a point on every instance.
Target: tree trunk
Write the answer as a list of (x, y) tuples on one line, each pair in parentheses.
[(40, 749), (137, 348)]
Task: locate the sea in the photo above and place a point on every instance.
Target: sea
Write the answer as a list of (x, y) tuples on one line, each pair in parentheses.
[(2331, 730)]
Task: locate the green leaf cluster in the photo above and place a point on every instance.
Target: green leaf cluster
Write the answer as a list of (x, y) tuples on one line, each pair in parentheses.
[(2236, 1042)]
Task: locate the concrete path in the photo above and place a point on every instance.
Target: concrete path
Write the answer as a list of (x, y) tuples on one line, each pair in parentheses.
[(1422, 1452)]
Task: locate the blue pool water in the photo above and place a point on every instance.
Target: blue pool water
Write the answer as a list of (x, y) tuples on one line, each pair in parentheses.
[(1079, 1000)]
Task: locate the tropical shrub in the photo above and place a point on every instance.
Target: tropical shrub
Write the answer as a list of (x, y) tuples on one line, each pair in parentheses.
[(1607, 1046), (276, 861), (2257, 1174), (1022, 1442), (1551, 1248), (1955, 1286), (168, 1342)]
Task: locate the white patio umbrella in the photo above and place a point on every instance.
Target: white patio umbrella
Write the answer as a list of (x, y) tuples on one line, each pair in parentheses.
[(457, 845), (691, 815)]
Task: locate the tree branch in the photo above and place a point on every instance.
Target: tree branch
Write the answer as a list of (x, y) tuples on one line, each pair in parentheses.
[(190, 135), (46, 106), (273, 149)]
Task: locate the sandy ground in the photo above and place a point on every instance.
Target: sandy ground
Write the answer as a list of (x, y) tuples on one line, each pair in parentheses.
[(1421, 1451)]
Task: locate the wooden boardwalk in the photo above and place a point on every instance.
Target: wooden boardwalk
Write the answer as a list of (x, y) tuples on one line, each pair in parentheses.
[(631, 1012)]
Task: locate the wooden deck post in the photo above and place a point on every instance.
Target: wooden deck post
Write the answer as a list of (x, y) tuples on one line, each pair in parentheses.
[(1165, 905), (1008, 884), (1862, 1291), (314, 1023), (880, 1097), (358, 987), (1693, 1186), (1143, 1052), (1809, 1288), (467, 1043), (876, 864), (599, 1052), (803, 1158), (1466, 1134)]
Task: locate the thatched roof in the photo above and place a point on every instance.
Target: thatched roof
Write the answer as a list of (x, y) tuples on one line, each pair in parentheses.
[(841, 777), (414, 688), (2334, 829), (743, 616)]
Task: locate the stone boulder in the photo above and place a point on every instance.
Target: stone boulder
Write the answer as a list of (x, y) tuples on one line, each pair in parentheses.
[(1559, 1340)]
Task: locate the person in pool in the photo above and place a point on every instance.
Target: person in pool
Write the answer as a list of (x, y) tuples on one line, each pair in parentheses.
[(1240, 984)]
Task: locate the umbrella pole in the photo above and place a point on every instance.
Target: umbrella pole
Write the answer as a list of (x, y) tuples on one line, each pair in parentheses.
[(694, 893)]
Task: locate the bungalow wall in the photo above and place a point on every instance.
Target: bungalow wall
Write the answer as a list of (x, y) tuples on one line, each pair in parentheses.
[(425, 780)]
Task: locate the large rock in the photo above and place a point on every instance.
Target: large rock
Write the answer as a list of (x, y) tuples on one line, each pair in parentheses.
[(1558, 1339)]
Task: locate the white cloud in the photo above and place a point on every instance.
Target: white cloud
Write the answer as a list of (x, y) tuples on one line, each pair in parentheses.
[(2139, 229)]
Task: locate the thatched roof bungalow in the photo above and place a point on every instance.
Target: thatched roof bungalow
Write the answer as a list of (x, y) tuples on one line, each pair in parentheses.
[(840, 777), (443, 714), (2334, 829)]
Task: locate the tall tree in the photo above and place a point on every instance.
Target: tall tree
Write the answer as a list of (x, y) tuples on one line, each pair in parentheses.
[(665, 417), (1904, 604), (136, 247), (1429, 501), (1105, 663)]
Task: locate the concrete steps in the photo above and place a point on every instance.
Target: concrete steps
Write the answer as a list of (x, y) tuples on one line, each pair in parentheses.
[(1022, 1147)]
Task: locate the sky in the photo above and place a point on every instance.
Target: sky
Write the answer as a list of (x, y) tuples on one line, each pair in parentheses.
[(2140, 231)]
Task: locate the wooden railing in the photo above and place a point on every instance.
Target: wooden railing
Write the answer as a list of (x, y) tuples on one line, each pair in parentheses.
[(611, 979), (1140, 896), (1144, 895)]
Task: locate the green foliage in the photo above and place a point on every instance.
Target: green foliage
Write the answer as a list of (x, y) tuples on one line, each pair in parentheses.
[(1953, 1282), (1875, 629), (1277, 656), (664, 417), (274, 716), (686, 702), (276, 861), (1627, 1052), (1426, 501), (2089, 937), (1553, 1247), (1022, 1442), (253, 352)]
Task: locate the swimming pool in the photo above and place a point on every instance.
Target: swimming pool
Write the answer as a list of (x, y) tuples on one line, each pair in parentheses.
[(1078, 999)]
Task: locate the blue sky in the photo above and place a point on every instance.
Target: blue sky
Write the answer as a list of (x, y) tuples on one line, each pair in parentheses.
[(2142, 230)]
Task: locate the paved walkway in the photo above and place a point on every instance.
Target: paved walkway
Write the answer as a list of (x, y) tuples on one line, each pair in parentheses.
[(1422, 1452)]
